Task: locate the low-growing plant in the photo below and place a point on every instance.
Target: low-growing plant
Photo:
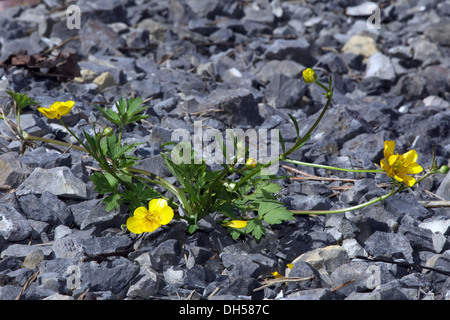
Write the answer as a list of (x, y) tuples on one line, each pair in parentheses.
[(243, 197)]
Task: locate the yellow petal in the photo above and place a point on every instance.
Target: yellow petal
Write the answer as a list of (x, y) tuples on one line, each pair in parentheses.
[(135, 225), (414, 169), (166, 215), (155, 205), (410, 181), (140, 213), (48, 113), (276, 275), (410, 156), (389, 147), (237, 224), (392, 159)]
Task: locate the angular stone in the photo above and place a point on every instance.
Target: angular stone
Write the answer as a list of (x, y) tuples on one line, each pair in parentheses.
[(13, 225), (380, 66), (12, 171), (389, 245), (104, 81), (146, 287), (59, 181), (297, 50), (327, 258), (285, 92)]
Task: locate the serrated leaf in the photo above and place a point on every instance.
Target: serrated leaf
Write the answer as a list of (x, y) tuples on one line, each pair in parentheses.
[(112, 202), (277, 215), (101, 183), (109, 114), (256, 228)]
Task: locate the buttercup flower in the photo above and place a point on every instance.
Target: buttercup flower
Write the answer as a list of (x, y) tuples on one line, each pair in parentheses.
[(57, 109), (398, 166), (143, 220), (251, 163), (237, 224), (309, 75)]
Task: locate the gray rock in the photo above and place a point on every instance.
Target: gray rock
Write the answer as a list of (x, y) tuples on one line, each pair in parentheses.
[(302, 269), (251, 265), (389, 245), (311, 294), (23, 250), (59, 181), (273, 68), (421, 239), (167, 253), (40, 157), (297, 50), (99, 219), (365, 146), (175, 276), (106, 244), (114, 276), (146, 287), (47, 209), (12, 171), (364, 276), (285, 92), (411, 86), (239, 105), (380, 66), (13, 225), (326, 259), (9, 292), (241, 286)]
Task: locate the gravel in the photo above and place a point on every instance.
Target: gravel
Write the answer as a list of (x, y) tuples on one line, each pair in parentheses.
[(233, 65)]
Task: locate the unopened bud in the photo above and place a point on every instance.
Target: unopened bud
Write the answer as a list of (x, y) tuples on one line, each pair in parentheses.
[(309, 75), (108, 131), (444, 169)]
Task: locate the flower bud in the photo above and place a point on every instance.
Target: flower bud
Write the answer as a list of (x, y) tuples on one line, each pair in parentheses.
[(237, 224), (444, 169), (309, 75), (108, 131), (251, 163)]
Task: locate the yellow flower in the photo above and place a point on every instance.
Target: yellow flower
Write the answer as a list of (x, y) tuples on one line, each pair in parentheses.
[(309, 75), (276, 275), (397, 166), (251, 163), (143, 220), (290, 265), (57, 109), (237, 224)]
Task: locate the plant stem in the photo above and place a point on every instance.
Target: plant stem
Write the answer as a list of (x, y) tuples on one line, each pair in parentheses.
[(26, 136), (166, 184), (296, 145), (360, 206), (331, 168)]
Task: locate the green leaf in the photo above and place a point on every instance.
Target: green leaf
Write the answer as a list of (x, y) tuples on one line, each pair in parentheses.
[(109, 114), (102, 184), (22, 100), (112, 202), (256, 228), (278, 214), (295, 125), (280, 138)]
